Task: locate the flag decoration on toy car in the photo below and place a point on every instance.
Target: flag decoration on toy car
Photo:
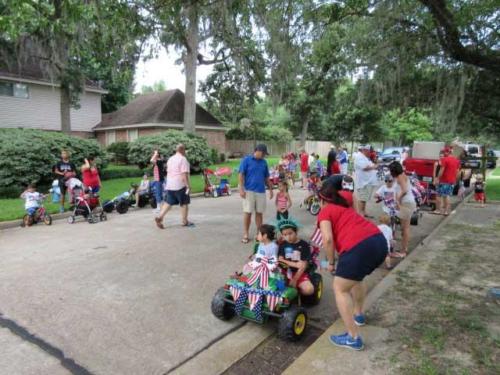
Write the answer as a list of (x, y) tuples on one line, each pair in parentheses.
[(235, 292), (316, 238), (273, 299), (240, 302), (261, 273), (253, 298)]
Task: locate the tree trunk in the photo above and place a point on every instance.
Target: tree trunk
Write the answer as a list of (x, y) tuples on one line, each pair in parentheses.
[(190, 63), (303, 134), (65, 110)]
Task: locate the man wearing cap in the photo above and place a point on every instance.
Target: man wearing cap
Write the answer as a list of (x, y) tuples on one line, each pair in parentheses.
[(365, 178), (343, 159), (253, 178), (446, 179)]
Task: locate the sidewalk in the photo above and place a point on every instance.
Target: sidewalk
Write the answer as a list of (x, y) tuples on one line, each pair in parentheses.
[(431, 315)]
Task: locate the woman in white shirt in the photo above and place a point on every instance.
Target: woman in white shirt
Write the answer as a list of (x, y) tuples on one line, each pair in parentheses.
[(405, 202)]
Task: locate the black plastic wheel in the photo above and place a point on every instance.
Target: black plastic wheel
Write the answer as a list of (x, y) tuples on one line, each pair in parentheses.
[(108, 206), (27, 220), (152, 202), (317, 282), (143, 201), (47, 219), (220, 308), (315, 208), (414, 218), (122, 207), (292, 323)]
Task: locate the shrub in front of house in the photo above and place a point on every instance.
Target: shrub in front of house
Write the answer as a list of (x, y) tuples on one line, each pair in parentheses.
[(198, 151), (28, 155), (118, 152)]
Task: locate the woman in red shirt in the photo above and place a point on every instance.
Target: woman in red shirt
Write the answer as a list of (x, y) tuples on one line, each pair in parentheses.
[(361, 248), (90, 175)]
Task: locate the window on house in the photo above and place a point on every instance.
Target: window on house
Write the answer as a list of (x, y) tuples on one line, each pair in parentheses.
[(110, 137), (132, 134), (17, 90)]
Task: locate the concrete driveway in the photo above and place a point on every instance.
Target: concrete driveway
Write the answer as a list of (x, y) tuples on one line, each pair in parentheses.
[(122, 297)]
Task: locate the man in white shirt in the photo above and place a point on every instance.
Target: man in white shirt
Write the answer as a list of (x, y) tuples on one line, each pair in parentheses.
[(365, 178), (178, 186)]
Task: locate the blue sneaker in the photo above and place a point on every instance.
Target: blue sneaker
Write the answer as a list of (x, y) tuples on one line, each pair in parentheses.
[(345, 340), (359, 320)]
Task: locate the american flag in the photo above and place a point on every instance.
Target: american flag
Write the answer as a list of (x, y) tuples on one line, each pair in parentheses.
[(253, 299), (235, 292), (316, 238), (240, 302), (262, 272), (272, 300)]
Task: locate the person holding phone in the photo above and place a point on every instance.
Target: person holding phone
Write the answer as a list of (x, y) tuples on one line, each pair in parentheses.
[(158, 177), (178, 187)]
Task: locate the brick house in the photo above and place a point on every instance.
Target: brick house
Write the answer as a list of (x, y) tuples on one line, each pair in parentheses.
[(29, 99), (156, 112)]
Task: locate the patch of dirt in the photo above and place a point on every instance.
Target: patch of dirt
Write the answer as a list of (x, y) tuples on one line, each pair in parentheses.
[(438, 316)]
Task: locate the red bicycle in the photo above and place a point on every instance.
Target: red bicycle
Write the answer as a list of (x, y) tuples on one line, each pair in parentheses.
[(40, 215)]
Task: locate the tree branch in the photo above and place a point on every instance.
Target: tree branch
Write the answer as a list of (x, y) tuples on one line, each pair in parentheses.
[(450, 39)]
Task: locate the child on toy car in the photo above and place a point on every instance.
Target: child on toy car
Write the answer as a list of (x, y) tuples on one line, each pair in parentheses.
[(266, 248), (295, 254)]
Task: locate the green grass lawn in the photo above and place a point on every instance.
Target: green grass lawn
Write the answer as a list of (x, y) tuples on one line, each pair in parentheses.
[(493, 186), (12, 209)]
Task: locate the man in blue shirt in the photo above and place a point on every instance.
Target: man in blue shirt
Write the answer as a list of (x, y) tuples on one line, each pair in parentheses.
[(253, 178)]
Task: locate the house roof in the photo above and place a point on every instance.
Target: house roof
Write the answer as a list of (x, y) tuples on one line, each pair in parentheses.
[(35, 73), (165, 107)]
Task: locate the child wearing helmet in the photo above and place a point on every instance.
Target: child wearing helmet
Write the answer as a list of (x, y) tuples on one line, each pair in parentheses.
[(295, 254)]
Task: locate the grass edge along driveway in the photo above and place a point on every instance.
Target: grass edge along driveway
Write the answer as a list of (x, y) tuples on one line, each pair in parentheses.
[(13, 209)]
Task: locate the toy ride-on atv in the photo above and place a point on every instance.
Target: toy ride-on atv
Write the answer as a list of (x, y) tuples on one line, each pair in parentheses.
[(263, 294)]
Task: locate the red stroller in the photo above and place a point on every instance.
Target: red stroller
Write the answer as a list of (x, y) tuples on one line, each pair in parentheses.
[(86, 204)]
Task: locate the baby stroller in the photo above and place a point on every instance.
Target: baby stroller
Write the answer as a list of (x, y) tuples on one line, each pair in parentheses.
[(85, 203), (121, 202), (274, 177), (420, 194), (217, 182)]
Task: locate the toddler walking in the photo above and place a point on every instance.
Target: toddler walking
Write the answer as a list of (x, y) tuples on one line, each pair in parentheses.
[(283, 201)]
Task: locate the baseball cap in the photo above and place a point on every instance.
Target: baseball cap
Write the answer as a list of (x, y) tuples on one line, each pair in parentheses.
[(262, 147), (365, 147)]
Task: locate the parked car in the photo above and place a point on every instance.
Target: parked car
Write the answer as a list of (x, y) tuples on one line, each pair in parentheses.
[(473, 150), (492, 162), (390, 154)]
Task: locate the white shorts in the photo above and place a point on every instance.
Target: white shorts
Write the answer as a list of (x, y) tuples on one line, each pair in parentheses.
[(365, 193), (343, 168), (406, 209), (254, 202)]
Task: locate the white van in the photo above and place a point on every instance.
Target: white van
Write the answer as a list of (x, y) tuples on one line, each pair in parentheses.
[(473, 150)]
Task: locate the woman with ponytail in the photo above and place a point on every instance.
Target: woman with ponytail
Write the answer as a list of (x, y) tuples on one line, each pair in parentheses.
[(361, 248)]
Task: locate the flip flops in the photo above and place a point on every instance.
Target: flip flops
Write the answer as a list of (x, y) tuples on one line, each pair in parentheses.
[(245, 240), (159, 223), (188, 224)]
